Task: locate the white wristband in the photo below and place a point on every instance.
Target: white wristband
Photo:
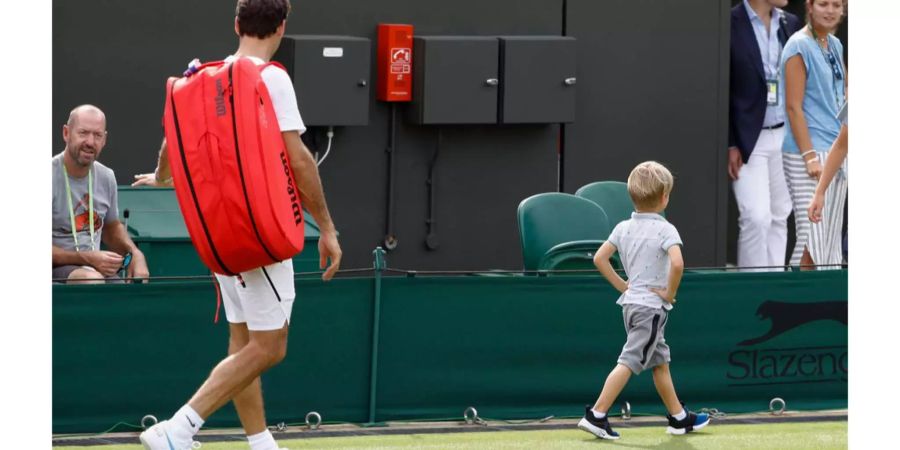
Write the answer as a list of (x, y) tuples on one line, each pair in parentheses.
[(808, 152)]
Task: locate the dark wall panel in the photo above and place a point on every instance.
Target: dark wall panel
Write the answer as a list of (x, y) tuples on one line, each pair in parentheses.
[(648, 80), (651, 80), (118, 54)]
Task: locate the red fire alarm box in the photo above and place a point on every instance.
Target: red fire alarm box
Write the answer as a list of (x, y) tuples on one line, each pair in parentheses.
[(394, 81)]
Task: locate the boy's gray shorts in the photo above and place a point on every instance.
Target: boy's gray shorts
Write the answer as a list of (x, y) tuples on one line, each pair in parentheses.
[(645, 346)]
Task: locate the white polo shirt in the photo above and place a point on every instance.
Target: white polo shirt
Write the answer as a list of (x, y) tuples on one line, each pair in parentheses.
[(281, 91), (643, 243)]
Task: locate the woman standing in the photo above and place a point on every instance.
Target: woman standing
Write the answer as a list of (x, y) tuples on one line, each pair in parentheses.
[(814, 89)]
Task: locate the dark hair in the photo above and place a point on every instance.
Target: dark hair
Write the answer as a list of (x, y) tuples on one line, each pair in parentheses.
[(260, 18)]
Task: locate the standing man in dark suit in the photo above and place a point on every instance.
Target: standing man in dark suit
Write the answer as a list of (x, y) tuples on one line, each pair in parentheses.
[(759, 29)]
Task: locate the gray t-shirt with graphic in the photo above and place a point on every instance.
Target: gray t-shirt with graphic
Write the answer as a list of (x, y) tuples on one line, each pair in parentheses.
[(105, 206), (643, 243)]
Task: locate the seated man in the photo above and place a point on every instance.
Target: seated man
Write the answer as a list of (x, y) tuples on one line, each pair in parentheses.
[(85, 210)]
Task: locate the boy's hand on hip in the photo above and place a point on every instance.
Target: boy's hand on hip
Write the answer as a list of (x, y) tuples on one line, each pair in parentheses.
[(664, 293)]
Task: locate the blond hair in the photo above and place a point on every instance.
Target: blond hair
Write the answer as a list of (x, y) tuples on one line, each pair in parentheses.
[(647, 184)]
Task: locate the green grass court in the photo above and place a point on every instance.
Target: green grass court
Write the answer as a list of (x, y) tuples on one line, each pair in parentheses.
[(782, 436)]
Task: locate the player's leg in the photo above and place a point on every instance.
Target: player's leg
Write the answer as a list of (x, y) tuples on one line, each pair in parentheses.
[(266, 346), (248, 403), (237, 371)]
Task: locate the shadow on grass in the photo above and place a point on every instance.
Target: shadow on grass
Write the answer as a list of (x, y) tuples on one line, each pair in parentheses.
[(668, 443)]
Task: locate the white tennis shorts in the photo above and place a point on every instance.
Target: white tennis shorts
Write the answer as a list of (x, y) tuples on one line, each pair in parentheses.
[(262, 298)]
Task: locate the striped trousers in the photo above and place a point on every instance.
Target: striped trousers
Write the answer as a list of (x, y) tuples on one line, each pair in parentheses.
[(823, 239)]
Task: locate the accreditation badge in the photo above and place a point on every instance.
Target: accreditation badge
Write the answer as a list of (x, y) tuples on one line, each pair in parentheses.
[(771, 92)]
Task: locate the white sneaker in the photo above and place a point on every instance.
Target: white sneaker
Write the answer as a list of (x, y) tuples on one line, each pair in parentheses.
[(157, 438)]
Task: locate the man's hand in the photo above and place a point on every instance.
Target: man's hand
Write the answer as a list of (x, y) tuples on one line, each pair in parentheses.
[(329, 249), (664, 293), (735, 162), (149, 179), (815, 208), (105, 262), (138, 267)]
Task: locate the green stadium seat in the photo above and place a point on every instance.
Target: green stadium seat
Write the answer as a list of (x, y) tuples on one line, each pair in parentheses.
[(571, 256), (613, 197), (570, 226), (156, 226)]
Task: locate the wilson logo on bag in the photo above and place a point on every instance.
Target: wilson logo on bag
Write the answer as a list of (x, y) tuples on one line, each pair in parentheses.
[(232, 175)]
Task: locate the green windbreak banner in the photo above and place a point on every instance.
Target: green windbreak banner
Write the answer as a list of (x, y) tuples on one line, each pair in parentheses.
[(531, 347), (513, 347), (123, 351)]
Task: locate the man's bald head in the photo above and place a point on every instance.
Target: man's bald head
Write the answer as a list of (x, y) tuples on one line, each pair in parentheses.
[(85, 111), (85, 136)]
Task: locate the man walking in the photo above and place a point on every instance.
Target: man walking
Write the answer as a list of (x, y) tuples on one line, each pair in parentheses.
[(257, 302)]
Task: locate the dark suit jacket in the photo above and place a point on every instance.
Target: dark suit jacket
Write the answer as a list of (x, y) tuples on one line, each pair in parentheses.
[(747, 108)]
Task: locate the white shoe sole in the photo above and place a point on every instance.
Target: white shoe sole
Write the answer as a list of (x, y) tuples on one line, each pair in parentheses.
[(680, 431), (151, 442), (583, 424), (144, 442)]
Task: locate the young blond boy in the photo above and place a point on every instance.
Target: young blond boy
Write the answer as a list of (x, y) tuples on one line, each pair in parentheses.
[(643, 243)]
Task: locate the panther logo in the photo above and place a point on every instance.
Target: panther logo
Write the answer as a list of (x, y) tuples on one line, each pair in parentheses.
[(787, 316)]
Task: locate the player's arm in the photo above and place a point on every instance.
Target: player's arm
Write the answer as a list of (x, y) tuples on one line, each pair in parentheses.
[(306, 175), (601, 261), (162, 176), (676, 269)]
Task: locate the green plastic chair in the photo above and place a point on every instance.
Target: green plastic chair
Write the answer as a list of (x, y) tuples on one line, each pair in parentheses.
[(612, 196), (568, 225)]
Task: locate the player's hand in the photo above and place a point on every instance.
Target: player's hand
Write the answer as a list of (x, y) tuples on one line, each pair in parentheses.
[(138, 267), (815, 208), (329, 249), (664, 293), (735, 162), (149, 179), (814, 168), (105, 262)]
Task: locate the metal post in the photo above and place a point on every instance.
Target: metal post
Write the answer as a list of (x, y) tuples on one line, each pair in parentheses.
[(376, 319)]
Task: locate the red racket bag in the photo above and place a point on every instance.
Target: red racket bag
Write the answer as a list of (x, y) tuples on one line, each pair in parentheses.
[(232, 176)]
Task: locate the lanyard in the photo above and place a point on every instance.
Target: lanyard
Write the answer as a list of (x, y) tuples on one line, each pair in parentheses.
[(832, 61), (72, 210)]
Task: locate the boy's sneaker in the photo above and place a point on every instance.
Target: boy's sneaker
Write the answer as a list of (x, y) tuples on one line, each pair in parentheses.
[(157, 438), (595, 426), (692, 422)]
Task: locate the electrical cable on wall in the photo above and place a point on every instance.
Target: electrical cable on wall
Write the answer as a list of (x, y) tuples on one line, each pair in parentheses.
[(330, 135)]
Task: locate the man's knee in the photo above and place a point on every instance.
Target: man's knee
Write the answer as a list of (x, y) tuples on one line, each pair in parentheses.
[(270, 347), (84, 275)]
